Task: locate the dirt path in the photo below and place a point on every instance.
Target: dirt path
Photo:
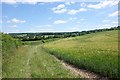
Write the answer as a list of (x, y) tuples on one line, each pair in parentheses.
[(32, 50), (41, 64), (34, 62), (81, 72)]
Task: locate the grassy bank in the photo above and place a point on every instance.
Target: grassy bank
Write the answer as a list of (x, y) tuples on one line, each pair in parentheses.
[(9, 45), (96, 52), (31, 61)]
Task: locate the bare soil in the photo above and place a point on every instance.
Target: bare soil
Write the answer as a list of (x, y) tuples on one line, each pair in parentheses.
[(85, 74)]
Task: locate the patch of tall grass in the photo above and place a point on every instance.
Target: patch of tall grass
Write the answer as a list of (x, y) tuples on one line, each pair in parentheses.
[(96, 52)]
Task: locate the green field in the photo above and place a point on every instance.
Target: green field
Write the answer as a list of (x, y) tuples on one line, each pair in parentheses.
[(97, 52), (30, 61)]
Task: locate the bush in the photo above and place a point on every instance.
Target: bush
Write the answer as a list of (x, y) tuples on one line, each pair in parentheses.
[(9, 44)]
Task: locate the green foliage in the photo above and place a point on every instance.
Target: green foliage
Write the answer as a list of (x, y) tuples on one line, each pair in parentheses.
[(9, 44), (51, 35), (96, 52)]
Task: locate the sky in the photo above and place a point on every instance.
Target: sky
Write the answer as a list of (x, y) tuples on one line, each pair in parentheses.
[(21, 16)]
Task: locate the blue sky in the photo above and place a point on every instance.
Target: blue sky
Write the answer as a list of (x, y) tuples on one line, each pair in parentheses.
[(20, 17)]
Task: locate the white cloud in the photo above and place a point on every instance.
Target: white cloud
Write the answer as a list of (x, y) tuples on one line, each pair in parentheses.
[(105, 20), (73, 11), (74, 18), (69, 3), (72, 2), (114, 3), (116, 13), (48, 25), (60, 22), (9, 1), (82, 9), (103, 4), (60, 11), (28, 1), (61, 6), (16, 21), (76, 11), (41, 3)]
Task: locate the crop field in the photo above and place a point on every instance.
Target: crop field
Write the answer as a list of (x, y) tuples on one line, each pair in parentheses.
[(95, 52)]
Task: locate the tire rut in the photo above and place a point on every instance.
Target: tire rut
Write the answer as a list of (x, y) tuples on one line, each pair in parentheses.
[(31, 52), (81, 72)]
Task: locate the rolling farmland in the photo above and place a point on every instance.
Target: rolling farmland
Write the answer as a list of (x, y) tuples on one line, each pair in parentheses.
[(30, 61), (59, 39), (95, 52), (62, 57)]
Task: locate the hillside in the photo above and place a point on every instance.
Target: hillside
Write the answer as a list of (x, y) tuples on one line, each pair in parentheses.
[(29, 61), (95, 52), (9, 45)]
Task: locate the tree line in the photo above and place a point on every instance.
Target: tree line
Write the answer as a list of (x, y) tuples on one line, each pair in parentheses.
[(51, 35)]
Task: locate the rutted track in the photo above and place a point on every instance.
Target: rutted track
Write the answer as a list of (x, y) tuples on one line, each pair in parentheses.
[(31, 61), (94, 52), (37, 63), (81, 72)]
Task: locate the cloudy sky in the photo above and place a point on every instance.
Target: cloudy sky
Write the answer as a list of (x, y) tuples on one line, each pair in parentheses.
[(57, 15)]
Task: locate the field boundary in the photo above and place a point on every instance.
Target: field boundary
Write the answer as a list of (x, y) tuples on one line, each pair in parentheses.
[(83, 73), (80, 72)]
